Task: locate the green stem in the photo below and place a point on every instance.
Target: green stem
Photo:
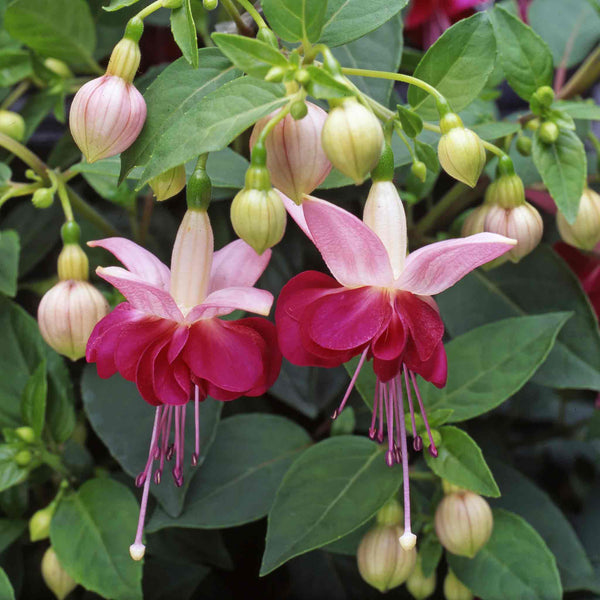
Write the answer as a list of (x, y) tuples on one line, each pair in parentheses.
[(151, 8), (64, 198), (82, 208), (236, 17), (253, 13), (422, 476), (274, 120), (398, 130), (15, 95), (25, 155)]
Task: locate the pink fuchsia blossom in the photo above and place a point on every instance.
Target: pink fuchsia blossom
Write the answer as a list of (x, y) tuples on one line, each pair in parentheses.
[(168, 338), (377, 306)]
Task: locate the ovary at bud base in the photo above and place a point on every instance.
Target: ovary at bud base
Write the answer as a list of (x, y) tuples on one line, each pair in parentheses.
[(57, 579), (382, 562), (584, 233), (454, 589), (352, 138), (296, 161), (168, 184), (463, 523), (419, 586)]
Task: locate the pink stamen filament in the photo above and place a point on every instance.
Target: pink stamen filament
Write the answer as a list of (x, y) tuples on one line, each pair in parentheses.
[(417, 441), (196, 455), (432, 449), (390, 456), (363, 356)]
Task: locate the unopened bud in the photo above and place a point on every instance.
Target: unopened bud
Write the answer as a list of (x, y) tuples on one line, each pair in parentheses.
[(12, 124), (584, 233), (264, 34), (419, 586), (39, 524), (27, 434), (23, 458), (43, 198), (58, 67), (352, 139), (302, 76), (295, 159), (382, 562), (545, 96), (532, 124), (124, 60), (507, 191), (460, 151), (524, 145), (298, 110), (419, 170), (73, 263), (68, 313), (57, 579), (390, 513), (463, 523), (455, 589), (548, 132), (275, 74), (168, 184), (475, 220)]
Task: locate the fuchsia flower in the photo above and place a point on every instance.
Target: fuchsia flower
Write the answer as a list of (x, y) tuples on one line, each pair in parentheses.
[(168, 339), (378, 306)]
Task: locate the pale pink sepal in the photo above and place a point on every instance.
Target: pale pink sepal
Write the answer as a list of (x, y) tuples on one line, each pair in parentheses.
[(297, 213), (237, 264), (224, 301), (137, 260), (141, 295), (354, 254), (434, 268)]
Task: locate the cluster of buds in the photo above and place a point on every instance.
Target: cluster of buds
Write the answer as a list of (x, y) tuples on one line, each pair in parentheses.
[(506, 212), (584, 232), (382, 561), (56, 578), (419, 586), (69, 310), (463, 521)]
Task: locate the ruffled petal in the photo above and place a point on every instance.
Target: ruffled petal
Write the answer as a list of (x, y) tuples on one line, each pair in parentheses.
[(354, 254), (225, 301), (438, 266), (434, 369), (391, 341)]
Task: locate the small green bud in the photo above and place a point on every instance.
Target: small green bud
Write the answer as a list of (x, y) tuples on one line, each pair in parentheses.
[(12, 124), (298, 110), (545, 96), (43, 198), (168, 184), (390, 513), (266, 35), (210, 4), (455, 589), (524, 145), (58, 67), (533, 125), (27, 434), (419, 170), (437, 438), (302, 76), (419, 586), (57, 579), (507, 192), (548, 132), (23, 458), (275, 74), (39, 524)]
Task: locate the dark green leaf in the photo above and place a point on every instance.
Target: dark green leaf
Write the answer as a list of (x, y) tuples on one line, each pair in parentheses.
[(295, 20), (248, 54), (9, 262), (10, 473), (489, 364), (495, 129), (428, 155), (581, 110), (15, 65), (348, 20), (430, 552), (91, 532), (249, 457), (323, 85), (112, 405), (515, 563), (563, 167), (524, 56), (461, 462), (118, 4), (10, 531), (183, 28), (410, 120), (457, 65), (330, 490), (6, 589), (33, 401)]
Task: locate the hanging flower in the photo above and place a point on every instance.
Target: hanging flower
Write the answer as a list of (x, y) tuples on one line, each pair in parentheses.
[(168, 338), (378, 306)]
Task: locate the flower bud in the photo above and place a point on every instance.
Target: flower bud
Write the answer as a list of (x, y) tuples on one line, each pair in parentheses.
[(25, 433), (43, 198), (419, 170), (475, 220), (382, 562), (58, 67), (57, 579), (352, 139), (275, 74), (23, 458), (548, 132), (168, 184), (545, 96), (463, 523), (584, 233), (507, 192), (67, 314), (298, 110), (73, 263), (39, 524), (295, 159), (419, 586), (12, 124), (391, 513), (524, 145), (454, 589), (460, 150)]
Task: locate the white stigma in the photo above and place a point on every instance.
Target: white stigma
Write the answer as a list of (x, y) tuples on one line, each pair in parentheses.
[(137, 551), (408, 540)]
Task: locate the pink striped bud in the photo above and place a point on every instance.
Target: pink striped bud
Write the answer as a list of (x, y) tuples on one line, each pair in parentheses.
[(296, 161), (584, 233)]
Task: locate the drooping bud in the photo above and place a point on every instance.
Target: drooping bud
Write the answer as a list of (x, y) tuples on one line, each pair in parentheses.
[(57, 579), (43, 198), (168, 184), (382, 562), (584, 233), (12, 124), (58, 67), (352, 138), (460, 150), (108, 113), (524, 145), (463, 523), (419, 586), (454, 589), (391, 513), (475, 220), (296, 161), (39, 524)]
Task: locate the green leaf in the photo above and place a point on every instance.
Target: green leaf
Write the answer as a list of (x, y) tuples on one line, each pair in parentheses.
[(381, 50), (118, 4), (428, 155), (460, 461), (348, 20), (411, 122), (10, 531), (323, 85), (250, 455), (112, 405), (10, 473), (6, 589), (248, 54), (330, 490), (457, 65), (495, 129), (174, 95), (91, 532), (523, 497), (61, 29), (15, 65), (581, 110), (33, 402), (563, 167), (9, 262), (183, 28), (430, 552), (515, 563), (295, 20), (214, 122), (489, 364), (524, 56)]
